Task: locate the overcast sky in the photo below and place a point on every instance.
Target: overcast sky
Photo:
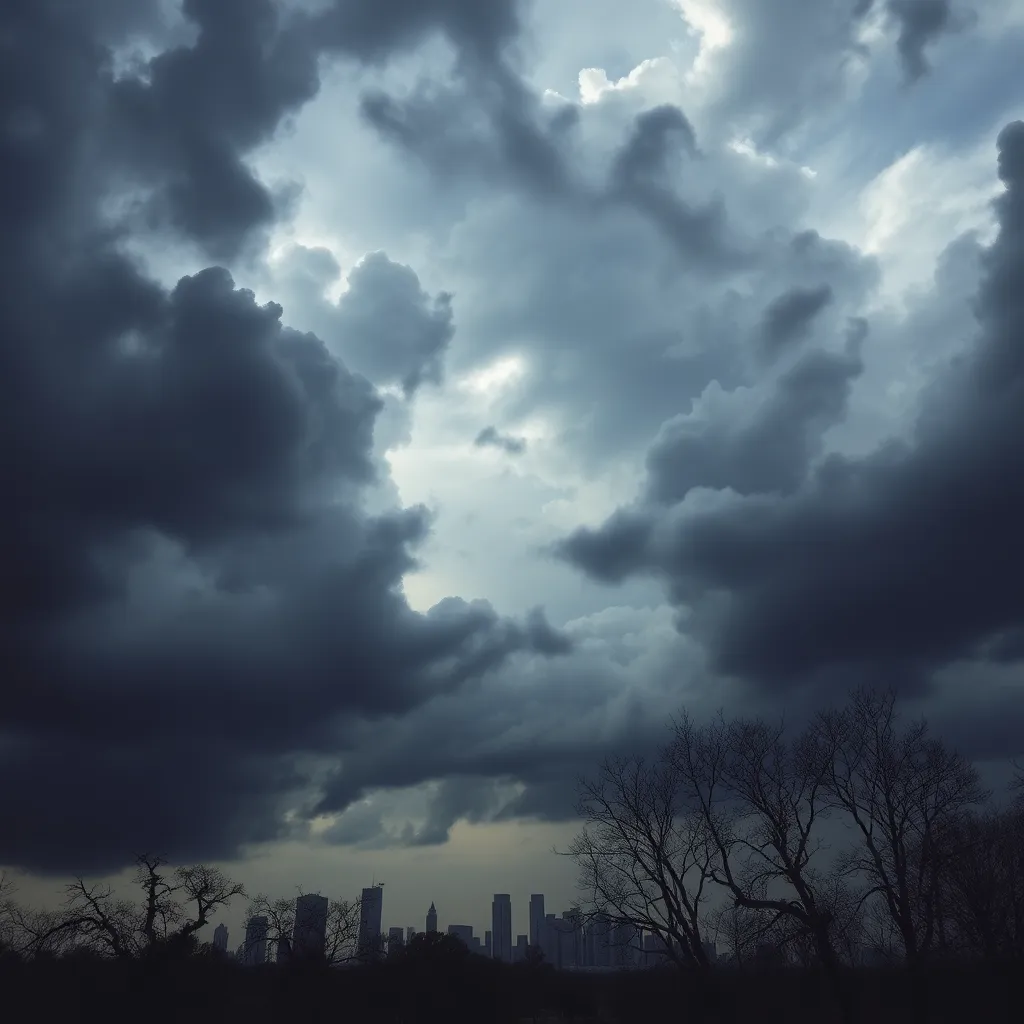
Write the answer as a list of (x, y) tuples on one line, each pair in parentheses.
[(408, 402)]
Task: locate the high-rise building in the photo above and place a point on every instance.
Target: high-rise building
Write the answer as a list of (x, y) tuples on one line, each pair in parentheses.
[(220, 938), (432, 919), (599, 942), (487, 943), (396, 940), (409, 933), (549, 939), (256, 941), (371, 908), (309, 934), (537, 920), (626, 945), (501, 927), (519, 949), (464, 932)]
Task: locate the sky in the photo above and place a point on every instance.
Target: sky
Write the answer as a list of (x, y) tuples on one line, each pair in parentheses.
[(408, 403)]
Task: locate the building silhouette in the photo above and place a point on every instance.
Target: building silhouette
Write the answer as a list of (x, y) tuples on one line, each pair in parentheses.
[(432, 919), (488, 946), (537, 922), (371, 907), (220, 938), (501, 927), (256, 941), (463, 932), (309, 933), (409, 933)]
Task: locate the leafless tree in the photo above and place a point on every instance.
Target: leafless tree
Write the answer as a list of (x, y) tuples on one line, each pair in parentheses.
[(342, 931), (760, 799), (175, 905), (280, 917), (903, 791), (983, 882), (643, 857)]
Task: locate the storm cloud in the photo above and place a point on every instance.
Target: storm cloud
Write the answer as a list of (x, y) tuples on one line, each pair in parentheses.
[(278, 274), (892, 564)]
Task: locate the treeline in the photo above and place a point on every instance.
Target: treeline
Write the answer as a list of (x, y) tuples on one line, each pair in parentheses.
[(861, 839), (437, 978)]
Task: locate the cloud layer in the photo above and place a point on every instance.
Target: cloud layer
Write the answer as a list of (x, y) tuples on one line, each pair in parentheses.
[(748, 366)]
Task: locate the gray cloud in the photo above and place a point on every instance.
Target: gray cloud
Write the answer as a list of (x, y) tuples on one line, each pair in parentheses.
[(790, 315), (892, 564), (491, 437), (770, 452), (195, 589), (921, 22)]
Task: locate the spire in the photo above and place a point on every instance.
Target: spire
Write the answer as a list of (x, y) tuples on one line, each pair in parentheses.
[(432, 910)]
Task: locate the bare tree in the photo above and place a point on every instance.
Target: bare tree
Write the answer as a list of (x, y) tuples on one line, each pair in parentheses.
[(643, 857), (280, 917), (340, 936), (174, 907), (983, 881), (760, 799), (903, 791), (342, 931)]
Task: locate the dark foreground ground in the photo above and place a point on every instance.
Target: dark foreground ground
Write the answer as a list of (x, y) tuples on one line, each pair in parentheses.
[(202, 989)]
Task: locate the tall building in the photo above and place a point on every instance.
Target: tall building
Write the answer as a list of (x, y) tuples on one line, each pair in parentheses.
[(487, 943), (309, 933), (519, 949), (409, 933), (501, 927), (463, 932), (256, 941), (432, 919), (599, 942), (537, 920), (220, 938), (396, 940), (626, 945), (371, 908)]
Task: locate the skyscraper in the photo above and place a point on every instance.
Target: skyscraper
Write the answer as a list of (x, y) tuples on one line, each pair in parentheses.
[(537, 920), (501, 927), (431, 919), (487, 943), (409, 933), (256, 941), (371, 908), (396, 940), (220, 938), (463, 932), (309, 934)]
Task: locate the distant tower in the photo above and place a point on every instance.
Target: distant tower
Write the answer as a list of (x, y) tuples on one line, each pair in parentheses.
[(256, 941), (220, 938), (537, 920), (309, 934), (371, 908), (501, 927), (409, 933), (432, 919)]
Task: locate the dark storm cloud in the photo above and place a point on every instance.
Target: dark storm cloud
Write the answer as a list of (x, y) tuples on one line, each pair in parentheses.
[(921, 22), (491, 437), (195, 606), (891, 565), (771, 452), (789, 316)]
